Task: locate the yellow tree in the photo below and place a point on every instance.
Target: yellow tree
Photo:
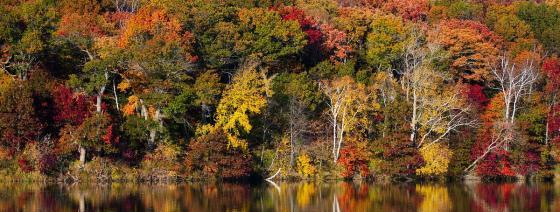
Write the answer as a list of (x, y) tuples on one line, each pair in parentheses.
[(347, 102), (437, 108), (246, 95), (437, 158)]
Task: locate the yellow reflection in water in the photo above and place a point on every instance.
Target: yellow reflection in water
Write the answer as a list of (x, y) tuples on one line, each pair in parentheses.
[(304, 193), (436, 198)]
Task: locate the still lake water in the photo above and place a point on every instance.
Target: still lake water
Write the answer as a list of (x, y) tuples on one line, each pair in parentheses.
[(337, 196)]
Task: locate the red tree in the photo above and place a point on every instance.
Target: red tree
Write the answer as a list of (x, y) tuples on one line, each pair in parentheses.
[(355, 159), (71, 108)]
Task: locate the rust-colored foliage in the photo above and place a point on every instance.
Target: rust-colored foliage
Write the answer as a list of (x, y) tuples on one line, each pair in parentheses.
[(354, 157), (209, 156), (399, 156), (331, 41), (85, 25), (335, 44), (416, 10), (18, 122)]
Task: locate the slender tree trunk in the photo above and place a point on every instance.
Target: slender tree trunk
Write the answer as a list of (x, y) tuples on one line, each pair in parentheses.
[(291, 144), (100, 94), (153, 131), (99, 100), (116, 96), (143, 110), (334, 139), (82, 155), (413, 120)]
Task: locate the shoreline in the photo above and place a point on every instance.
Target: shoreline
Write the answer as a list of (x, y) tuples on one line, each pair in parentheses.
[(65, 179)]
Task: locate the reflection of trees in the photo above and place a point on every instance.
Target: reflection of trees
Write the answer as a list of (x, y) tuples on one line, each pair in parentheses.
[(363, 197), (507, 196), (33, 197), (306, 196), (436, 198), (216, 197)]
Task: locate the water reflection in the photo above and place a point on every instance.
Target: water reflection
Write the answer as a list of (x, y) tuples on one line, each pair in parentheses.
[(307, 196)]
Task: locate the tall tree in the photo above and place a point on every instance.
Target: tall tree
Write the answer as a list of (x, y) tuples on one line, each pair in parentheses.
[(246, 95), (159, 61), (347, 103)]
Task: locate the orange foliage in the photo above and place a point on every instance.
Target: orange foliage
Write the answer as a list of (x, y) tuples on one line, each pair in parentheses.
[(409, 9), (85, 25), (473, 48), (155, 27)]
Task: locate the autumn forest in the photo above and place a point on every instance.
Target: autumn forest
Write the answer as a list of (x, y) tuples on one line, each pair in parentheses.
[(163, 90)]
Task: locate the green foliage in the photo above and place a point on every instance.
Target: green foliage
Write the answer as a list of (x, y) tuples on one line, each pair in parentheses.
[(265, 35), (136, 131), (544, 21), (386, 41), (463, 9), (8, 33), (296, 87)]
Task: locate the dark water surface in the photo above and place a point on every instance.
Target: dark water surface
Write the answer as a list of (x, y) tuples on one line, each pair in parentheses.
[(338, 196)]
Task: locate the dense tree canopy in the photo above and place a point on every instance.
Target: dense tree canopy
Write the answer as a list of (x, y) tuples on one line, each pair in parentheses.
[(304, 89)]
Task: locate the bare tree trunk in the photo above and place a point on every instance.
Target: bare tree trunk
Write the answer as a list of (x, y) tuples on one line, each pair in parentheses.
[(82, 155), (497, 141), (413, 120), (143, 110), (334, 139), (153, 131), (100, 94), (99, 100), (116, 96)]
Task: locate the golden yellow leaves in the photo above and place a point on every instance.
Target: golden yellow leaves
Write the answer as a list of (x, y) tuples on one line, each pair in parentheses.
[(349, 99), (5, 82), (245, 96), (105, 46), (437, 157), (123, 86), (236, 142), (304, 166)]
